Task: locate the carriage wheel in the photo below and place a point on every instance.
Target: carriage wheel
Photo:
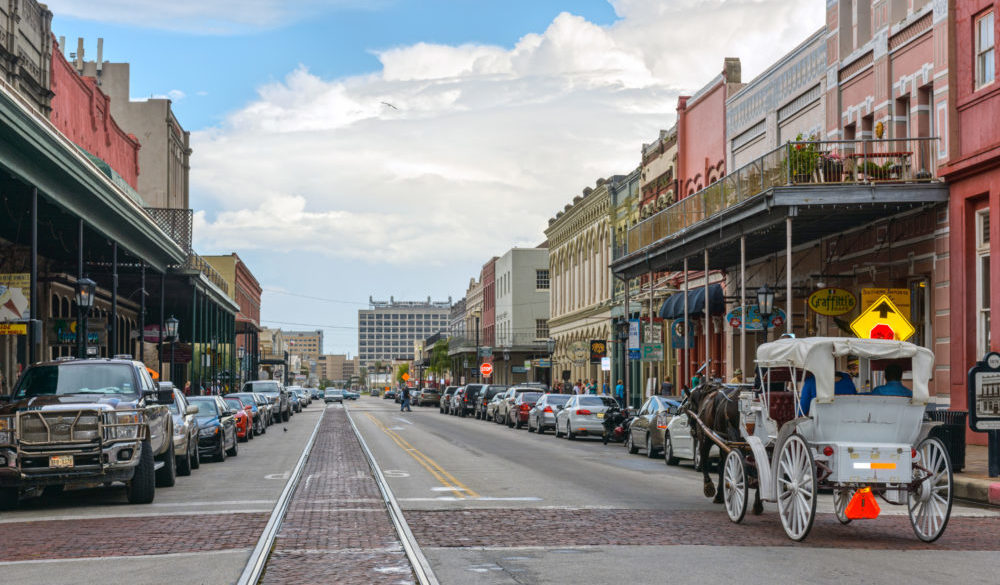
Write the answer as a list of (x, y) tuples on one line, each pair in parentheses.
[(796, 488), (842, 497), (931, 492), (734, 486)]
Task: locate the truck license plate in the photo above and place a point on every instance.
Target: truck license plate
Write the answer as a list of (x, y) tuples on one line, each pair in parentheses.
[(600, 415), (61, 461)]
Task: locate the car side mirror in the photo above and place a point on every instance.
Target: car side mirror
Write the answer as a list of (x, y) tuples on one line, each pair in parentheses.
[(160, 396), (191, 409)]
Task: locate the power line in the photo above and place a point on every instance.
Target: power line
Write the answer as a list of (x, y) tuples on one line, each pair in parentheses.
[(309, 324), (324, 299)]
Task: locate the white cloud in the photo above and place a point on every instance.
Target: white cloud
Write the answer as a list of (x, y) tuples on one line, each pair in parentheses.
[(481, 144), (199, 16), (174, 94)]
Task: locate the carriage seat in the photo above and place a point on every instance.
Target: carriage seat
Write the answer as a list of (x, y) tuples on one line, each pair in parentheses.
[(782, 407)]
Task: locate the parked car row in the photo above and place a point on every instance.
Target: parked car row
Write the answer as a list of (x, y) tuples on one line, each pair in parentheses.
[(657, 428), (77, 422)]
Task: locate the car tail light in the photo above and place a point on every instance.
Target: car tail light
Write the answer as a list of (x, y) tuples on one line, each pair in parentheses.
[(661, 426), (525, 407), (913, 453), (828, 451), (547, 409), (583, 412)]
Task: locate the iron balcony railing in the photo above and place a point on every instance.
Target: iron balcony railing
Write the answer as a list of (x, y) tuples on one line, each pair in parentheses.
[(826, 162), (196, 262)]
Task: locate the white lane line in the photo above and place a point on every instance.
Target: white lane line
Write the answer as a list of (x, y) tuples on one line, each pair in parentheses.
[(403, 420)]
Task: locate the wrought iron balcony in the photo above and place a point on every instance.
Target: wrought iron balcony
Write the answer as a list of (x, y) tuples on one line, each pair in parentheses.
[(196, 262), (825, 162)]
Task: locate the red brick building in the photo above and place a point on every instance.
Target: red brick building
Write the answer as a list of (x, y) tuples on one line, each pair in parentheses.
[(488, 278), (701, 131), (82, 112), (973, 173)]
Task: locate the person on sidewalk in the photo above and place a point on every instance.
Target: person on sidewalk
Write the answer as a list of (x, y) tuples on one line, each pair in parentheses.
[(405, 403), (620, 393)]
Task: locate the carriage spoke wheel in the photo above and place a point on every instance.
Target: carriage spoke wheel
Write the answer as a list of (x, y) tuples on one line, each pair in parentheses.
[(796, 477), (734, 486), (931, 492), (842, 497)]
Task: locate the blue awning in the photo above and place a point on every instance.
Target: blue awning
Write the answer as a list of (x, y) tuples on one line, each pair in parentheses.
[(673, 307)]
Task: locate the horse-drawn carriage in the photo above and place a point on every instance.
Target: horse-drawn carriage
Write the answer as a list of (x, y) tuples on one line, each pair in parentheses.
[(846, 443)]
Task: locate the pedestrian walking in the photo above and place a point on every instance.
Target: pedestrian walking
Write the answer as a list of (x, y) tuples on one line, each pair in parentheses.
[(592, 386), (405, 403), (667, 388), (578, 387), (620, 393)]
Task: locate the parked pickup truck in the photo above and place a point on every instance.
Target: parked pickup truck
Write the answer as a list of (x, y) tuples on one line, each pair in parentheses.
[(86, 421)]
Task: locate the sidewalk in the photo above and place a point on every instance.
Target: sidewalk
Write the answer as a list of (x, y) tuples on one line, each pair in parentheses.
[(974, 483), (337, 529)]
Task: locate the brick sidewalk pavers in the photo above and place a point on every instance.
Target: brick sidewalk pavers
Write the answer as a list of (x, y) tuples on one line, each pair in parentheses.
[(128, 536), (337, 528), (555, 527)]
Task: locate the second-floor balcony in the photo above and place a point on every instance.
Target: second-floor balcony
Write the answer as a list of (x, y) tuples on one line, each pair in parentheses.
[(793, 195), (833, 163)]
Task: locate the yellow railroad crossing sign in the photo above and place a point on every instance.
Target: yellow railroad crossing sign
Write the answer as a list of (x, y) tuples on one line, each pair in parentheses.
[(882, 320)]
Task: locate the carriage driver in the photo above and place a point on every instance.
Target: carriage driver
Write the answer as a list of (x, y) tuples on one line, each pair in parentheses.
[(893, 383), (842, 385)]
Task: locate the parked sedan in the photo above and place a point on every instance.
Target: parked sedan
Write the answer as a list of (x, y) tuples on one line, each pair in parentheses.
[(185, 431), (333, 395), (274, 392), (258, 410), (445, 405), (519, 409), (504, 407), (349, 395), (493, 406), (485, 396), (455, 400), (646, 431), (304, 396), (243, 416), (543, 415), (583, 415), (429, 397), (389, 395), (295, 402), (679, 443), (216, 427)]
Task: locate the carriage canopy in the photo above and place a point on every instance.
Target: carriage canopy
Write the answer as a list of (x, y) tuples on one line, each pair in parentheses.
[(817, 355)]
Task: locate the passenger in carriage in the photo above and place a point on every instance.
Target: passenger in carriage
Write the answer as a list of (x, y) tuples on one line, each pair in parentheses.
[(842, 385), (893, 383)]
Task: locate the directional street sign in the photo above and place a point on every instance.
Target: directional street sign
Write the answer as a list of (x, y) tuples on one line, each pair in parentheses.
[(882, 320)]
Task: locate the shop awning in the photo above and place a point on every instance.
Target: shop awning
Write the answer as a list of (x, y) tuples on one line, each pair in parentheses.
[(673, 307)]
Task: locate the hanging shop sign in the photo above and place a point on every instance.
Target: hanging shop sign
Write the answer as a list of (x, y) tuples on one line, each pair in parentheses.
[(598, 350), (653, 332), (754, 320), (832, 301), (14, 293), (13, 328), (681, 334), (518, 370), (899, 297), (606, 364), (578, 352), (633, 334), (652, 352)]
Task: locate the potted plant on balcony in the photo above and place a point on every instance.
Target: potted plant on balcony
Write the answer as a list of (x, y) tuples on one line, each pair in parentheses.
[(802, 159)]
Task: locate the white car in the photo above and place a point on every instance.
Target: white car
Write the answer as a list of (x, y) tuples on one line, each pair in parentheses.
[(678, 443), (583, 415)]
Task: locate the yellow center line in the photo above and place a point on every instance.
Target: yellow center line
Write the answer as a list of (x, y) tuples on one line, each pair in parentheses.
[(446, 479)]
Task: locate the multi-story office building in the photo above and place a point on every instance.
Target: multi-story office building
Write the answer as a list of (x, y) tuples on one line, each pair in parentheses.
[(387, 329), (307, 344), (337, 368)]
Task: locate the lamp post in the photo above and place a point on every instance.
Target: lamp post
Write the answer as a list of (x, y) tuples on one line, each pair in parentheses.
[(241, 354), (84, 301), (171, 334), (479, 376), (550, 346), (765, 306), (214, 345)]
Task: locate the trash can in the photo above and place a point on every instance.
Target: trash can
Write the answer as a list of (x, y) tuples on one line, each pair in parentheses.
[(951, 433)]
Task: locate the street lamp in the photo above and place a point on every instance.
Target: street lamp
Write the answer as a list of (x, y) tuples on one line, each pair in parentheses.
[(84, 301), (241, 354), (479, 377), (171, 326), (765, 306)]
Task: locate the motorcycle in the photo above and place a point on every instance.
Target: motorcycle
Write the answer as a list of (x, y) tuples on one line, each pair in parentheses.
[(616, 423)]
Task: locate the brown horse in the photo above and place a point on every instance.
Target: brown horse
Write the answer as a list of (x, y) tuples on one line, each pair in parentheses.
[(717, 407)]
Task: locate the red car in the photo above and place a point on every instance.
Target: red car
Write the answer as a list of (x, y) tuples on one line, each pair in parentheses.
[(244, 418), (523, 403)]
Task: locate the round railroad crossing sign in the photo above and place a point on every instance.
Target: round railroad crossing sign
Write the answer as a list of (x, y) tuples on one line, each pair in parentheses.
[(486, 369)]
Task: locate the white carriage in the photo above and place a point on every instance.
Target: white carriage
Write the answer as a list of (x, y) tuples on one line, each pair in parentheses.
[(846, 443)]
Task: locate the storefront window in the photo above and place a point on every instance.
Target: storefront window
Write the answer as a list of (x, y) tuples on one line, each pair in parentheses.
[(983, 290)]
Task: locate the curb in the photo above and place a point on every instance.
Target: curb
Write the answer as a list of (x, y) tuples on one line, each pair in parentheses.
[(979, 490), (421, 567)]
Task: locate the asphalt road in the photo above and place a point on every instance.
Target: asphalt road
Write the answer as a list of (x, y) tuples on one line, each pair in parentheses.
[(492, 505), (202, 530)]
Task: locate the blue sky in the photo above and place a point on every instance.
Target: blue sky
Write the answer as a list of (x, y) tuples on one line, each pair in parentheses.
[(503, 112)]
